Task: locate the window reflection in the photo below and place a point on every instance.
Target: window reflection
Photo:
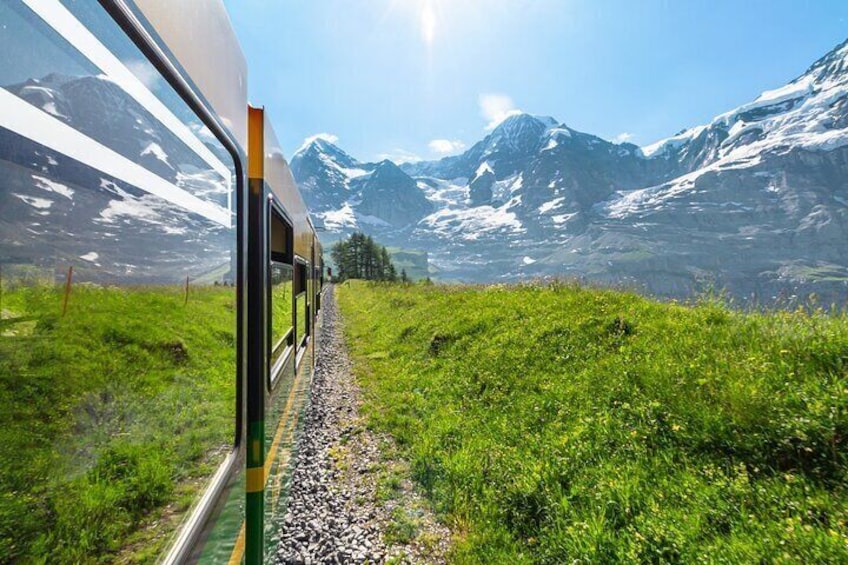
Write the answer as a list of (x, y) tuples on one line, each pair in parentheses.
[(90, 89), (282, 297), (282, 284), (117, 296), (301, 308)]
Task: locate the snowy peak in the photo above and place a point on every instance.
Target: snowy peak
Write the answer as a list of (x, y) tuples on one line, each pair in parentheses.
[(324, 173), (833, 66), (344, 193), (521, 132), (387, 172), (809, 113), (320, 148), (519, 124)]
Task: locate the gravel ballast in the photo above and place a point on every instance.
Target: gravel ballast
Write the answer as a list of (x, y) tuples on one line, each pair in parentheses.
[(351, 500)]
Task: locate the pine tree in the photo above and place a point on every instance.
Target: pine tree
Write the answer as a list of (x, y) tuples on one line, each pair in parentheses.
[(360, 257), (386, 263)]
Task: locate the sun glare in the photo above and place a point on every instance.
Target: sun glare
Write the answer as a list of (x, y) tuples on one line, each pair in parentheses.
[(428, 22)]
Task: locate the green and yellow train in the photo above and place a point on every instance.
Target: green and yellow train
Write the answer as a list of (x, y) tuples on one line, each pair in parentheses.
[(160, 289)]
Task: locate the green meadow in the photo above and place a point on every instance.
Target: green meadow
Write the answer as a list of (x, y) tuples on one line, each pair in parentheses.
[(557, 424), (114, 416)]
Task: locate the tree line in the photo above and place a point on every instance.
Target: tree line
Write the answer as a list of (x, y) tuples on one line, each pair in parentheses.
[(360, 257)]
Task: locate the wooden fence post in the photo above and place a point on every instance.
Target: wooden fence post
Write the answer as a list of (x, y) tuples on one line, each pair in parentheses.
[(186, 292), (68, 281)]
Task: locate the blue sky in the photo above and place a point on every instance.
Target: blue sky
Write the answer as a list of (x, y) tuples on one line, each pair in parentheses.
[(424, 78)]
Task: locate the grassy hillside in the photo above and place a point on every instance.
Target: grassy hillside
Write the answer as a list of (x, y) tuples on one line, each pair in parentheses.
[(113, 417), (559, 424)]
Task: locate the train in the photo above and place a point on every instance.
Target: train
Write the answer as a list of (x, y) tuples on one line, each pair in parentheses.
[(160, 286)]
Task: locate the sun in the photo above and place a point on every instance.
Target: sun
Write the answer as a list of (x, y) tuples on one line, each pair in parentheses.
[(426, 15), (429, 22)]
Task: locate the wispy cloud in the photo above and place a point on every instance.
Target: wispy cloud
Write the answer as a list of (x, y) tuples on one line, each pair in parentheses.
[(622, 137), (446, 146), (496, 108), (399, 156), (332, 138)]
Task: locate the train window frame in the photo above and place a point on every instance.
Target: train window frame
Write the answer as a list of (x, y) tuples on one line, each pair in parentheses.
[(276, 212), (140, 31), (301, 282)]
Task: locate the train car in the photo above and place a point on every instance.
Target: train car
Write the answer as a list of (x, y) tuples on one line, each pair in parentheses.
[(160, 289)]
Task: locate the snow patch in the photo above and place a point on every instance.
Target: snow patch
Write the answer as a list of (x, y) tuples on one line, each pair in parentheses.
[(144, 208), (37, 203), (470, 223), (339, 219), (353, 173), (562, 218), (554, 135), (53, 186), (156, 150), (663, 146), (347, 217), (482, 169), (548, 206)]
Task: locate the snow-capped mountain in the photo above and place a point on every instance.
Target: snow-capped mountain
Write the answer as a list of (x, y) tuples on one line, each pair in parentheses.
[(344, 193), (755, 202)]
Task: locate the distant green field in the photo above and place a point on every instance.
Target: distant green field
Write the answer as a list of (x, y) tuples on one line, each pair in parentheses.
[(113, 417), (415, 263), (556, 424)]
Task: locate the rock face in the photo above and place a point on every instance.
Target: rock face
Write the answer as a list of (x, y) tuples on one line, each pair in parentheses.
[(755, 202), (480, 186), (392, 196)]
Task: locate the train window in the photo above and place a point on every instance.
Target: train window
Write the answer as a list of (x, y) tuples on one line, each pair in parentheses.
[(301, 277), (116, 238), (282, 291)]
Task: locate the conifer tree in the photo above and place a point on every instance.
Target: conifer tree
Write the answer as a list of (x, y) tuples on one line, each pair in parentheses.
[(360, 257)]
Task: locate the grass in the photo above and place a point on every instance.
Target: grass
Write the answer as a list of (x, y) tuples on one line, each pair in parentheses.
[(113, 417), (559, 424)]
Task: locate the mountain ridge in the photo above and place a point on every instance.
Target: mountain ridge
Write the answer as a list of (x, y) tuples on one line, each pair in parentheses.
[(754, 201)]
